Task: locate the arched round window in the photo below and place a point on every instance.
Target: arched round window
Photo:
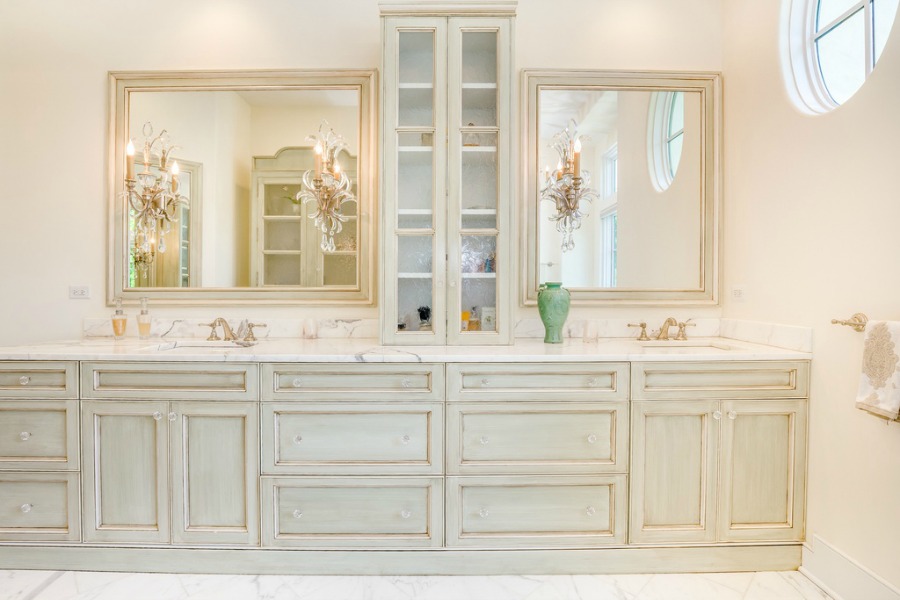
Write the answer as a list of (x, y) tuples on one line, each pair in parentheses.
[(665, 137), (833, 47)]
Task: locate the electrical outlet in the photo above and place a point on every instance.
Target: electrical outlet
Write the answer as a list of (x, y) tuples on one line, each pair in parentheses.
[(739, 293), (79, 292)]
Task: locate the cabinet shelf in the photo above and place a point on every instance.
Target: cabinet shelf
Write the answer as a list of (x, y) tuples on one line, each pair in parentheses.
[(479, 148), (479, 211), (418, 86), (415, 211), (477, 86), (415, 149), (479, 275), (414, 275)]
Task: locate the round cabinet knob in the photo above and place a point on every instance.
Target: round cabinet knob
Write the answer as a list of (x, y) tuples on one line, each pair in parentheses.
[(590, 511), (298, 438), (24, 436), (157, 416), (405, 439), (297, 513), (485, 381), (26, 508), (732, 415), (483, 440), (453, 283), (297, 382), (406, 383), (592, 439), (405, 514), (717, 415), (483, 513), (24, 380), (172, 416), (593, 381)]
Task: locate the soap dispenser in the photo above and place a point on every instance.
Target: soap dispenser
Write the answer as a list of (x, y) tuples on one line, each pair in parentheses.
[(144, 321), (119, 319)]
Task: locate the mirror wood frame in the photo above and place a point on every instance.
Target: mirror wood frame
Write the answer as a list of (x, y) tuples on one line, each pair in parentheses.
[(709, 85), (123, 83)]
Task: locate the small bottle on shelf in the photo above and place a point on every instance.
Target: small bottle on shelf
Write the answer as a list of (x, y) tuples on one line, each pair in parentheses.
[(144, 321), (119, 319)]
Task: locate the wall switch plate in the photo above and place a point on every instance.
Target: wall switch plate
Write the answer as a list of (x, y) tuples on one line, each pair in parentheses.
[(79, 292), (739, 293)]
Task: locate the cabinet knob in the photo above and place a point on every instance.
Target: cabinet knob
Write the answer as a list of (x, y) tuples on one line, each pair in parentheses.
[(732, 415), (406, 383), (483, 440), (593, 381), (452, 283), (25, 436), (717, 415), (172, 416), (298, 438), (592, 439), (297, 513), (157, 416), (405, 439), (405, 514), (26, 508), (24, 380), (297, 382), (484, 513), (485, 381), (590, 511)]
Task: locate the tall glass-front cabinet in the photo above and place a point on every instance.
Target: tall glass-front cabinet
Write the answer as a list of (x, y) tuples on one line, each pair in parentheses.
[(446, 174)]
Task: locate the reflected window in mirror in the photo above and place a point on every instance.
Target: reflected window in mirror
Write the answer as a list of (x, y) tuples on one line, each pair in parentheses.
[(666, 137)]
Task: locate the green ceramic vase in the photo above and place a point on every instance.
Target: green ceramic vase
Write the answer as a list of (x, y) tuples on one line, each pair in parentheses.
[(553, 305)]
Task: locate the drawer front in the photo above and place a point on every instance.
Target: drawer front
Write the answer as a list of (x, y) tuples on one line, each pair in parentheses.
[(538, 381), (536, 511), (533, 438), (39, 435), (38, 379), (157, 381), (661, 381), (352, 438), (353, 512), (39, 506), (354, 382)]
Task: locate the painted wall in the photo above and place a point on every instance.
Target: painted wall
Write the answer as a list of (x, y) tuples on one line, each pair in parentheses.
[(54, 59), (811, 231)]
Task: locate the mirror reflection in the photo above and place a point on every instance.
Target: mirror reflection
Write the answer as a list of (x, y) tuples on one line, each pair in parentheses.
[(241, 156)]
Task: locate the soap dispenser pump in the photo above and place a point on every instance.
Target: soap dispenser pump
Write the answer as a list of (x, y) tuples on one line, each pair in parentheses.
[(144, 321), (119, 319)]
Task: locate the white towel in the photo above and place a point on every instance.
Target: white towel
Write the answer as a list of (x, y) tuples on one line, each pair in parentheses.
[(879, 384)]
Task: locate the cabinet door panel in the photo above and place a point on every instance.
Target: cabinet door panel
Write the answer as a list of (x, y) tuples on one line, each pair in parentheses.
[(764, 447), (126, 491), (215, 458), (673, 471)]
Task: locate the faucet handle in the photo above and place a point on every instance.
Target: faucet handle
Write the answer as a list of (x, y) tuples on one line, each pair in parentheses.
[(250, 337), (643, 337), (682, 334), (213, 334)]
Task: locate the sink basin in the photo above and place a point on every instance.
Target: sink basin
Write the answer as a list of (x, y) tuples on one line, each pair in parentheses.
[(204, 344), (685, 346)]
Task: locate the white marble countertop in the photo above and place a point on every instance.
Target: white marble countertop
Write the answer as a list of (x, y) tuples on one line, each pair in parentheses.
[(370, 351)]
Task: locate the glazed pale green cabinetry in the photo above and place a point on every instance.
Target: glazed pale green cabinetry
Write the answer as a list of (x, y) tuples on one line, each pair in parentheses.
[(447, 188), (503, 467)]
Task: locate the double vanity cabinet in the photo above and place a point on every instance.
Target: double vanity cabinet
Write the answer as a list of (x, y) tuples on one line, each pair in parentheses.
[(528, 462)]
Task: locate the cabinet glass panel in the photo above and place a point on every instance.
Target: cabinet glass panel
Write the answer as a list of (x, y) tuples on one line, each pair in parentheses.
[(415, 180), (340, 269), (416, 79), (283, 233), (479, 179), (479, 78), (414, 282), (478, 286), (282, 269), (279, 200)]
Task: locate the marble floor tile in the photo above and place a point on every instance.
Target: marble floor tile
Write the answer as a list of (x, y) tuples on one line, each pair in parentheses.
[(68, 585)]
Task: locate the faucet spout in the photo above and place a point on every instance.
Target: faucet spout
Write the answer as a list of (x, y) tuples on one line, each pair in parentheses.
[(664, 328), (227, 333)]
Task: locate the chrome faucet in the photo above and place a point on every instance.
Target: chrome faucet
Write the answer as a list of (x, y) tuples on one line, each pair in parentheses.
[(664, 328)]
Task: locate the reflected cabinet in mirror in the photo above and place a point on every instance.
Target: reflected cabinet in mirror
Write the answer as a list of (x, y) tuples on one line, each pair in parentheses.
[(623, 182), (243, 186)]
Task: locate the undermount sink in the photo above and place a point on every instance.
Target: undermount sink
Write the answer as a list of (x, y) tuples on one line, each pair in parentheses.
[(205, 344), (686, 345)]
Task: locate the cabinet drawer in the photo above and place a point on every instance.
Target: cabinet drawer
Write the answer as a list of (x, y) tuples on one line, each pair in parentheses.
[(533, 438), (355, 382), (39, 435), (660, 381), (538, 381), (39, 506), (352, 512), (536, 511), (352, 438), (157, 381), (32, 379)]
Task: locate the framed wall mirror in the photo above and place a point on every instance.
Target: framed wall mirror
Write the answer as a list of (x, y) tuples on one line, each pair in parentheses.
[(243, 187), (622, 181)]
